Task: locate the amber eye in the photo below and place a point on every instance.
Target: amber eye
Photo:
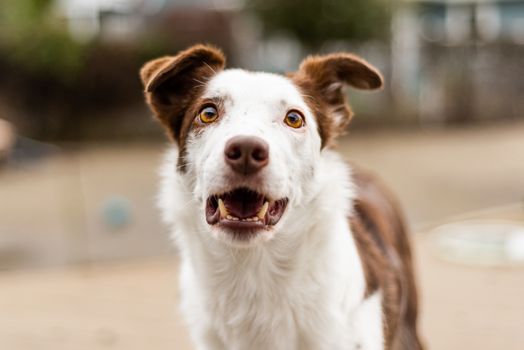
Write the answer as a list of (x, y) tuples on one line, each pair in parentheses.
[(208, 114), (294, 119)]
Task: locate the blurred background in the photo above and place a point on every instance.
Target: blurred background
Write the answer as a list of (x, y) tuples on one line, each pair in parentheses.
[(85, 262)]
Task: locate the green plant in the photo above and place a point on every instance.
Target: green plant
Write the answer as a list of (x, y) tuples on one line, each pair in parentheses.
[(313, 22), (35, 41)]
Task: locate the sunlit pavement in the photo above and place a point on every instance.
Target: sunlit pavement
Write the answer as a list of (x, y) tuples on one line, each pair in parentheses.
[(54, 213)]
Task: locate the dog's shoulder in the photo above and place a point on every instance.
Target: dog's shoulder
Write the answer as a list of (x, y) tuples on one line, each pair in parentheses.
[(377, 214), (383, 243)]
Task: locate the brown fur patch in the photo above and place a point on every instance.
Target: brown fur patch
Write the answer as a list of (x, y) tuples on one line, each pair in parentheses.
[(321, 80), (174, 85), (384, 249)]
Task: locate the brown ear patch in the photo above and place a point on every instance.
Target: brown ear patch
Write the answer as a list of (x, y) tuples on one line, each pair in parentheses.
[(173, 83), (342, 68), (157, 71), (322, 78), (173, 86)]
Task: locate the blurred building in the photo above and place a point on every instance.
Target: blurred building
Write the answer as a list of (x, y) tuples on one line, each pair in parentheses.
[(458, 60), (128, 20), (447, 61)]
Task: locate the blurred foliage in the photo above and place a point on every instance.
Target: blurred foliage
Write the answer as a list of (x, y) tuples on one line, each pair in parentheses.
[(34, 41), (37, 43), (52, 83), (314, 22)]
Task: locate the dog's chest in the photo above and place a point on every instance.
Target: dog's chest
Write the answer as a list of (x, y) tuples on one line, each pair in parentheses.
[(264, 308)]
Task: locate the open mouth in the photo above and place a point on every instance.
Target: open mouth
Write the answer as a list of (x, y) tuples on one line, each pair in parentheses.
[(244, 210)]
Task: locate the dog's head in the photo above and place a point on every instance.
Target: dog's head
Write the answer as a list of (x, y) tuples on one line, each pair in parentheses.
[(249, 142)]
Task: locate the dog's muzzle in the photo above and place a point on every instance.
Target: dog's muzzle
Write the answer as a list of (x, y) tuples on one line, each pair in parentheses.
[(243, 210)]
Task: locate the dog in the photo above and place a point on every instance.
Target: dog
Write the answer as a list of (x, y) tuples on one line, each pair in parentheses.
[(283, 245)]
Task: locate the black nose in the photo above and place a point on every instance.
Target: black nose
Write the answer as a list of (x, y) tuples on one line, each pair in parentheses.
[(246, 154)]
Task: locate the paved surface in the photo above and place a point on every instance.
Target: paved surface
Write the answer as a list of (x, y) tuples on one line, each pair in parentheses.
[(54, 214), (133, 305)]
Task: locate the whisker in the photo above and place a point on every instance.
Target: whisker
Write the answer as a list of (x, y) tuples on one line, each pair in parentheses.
[(202, 83), (310, 98), (211, 68)]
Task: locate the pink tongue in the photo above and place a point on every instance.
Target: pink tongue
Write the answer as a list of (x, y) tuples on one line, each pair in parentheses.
[(243, 204)]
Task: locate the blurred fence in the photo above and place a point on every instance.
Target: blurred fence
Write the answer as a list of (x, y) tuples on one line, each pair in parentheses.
[(471, 82)]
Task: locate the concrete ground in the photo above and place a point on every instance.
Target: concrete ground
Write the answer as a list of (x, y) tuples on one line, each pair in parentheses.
[(111, 283), (132, 305)]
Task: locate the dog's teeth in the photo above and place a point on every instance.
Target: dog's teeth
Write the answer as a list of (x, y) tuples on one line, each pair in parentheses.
[(222, 208), (262, 213), (255, 218), (249, 219), (231, 217)]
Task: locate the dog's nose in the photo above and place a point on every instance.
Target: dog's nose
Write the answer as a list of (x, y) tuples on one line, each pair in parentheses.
[(246, 154)]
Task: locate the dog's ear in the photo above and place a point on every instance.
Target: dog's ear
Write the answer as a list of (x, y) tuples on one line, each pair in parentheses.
[(171, 83), (322, 79)]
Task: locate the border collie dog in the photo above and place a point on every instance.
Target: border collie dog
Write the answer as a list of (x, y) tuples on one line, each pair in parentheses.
[(283, 245)]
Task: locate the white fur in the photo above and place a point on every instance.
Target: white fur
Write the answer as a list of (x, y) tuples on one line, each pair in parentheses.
[(297, 286)]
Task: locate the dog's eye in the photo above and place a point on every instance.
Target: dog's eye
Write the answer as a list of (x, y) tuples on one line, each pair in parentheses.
[(208, 114), (294, 119)]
